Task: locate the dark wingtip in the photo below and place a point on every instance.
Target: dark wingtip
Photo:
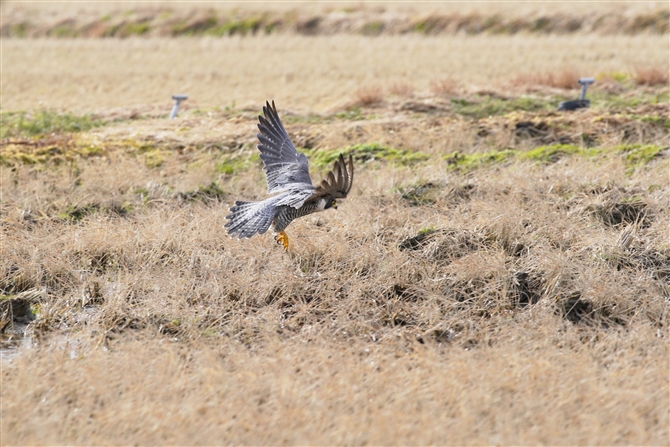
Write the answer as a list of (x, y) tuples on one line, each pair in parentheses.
[(269, 107), (350, 173), (270, 112)]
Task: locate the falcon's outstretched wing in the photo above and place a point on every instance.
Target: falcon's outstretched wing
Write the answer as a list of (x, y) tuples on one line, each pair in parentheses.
[(338, 182), (285, 168)]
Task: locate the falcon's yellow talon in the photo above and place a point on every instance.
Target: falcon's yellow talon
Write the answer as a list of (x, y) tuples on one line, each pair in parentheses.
[(282, 238)]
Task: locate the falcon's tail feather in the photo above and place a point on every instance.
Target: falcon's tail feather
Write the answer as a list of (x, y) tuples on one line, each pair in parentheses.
[(249, 218)]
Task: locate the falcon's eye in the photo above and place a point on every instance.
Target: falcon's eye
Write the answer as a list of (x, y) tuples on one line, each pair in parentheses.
[(333, 203)]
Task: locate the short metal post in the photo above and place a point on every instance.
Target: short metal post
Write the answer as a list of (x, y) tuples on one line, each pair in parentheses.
[(175, 108), (582, 102), (585, 82)]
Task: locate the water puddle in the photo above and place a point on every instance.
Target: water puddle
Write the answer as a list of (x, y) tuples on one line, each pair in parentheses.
[(16, 314), (14, 342), (16, 329)]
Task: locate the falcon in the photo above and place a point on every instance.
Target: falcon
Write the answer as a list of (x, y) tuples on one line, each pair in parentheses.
[(287, 175)]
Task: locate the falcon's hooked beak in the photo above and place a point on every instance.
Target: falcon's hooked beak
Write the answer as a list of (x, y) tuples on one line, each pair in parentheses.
[(333, 204)]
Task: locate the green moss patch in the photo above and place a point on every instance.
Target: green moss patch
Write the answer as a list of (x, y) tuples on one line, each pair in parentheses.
[(232, 164), (75, 213), (154, 158), (493, 106), (635, 155), (638, 154), (552, 153), (54, 150), (18, 124), (133, 29), (365, 153), (242, 27), (204, 193), (351, 114), (419, 194), (468, 162)]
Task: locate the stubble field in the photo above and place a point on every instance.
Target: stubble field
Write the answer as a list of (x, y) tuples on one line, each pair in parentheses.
[(500, 273)]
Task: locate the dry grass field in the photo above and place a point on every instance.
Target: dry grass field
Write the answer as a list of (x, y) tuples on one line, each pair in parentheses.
[(500, 273), (302, 73)]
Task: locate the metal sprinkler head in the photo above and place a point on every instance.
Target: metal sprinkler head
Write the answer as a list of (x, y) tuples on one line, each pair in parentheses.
[(175, 108), (585, 82), (582, 102)]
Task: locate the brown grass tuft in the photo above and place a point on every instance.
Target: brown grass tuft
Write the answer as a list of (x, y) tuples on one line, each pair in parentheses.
[(651, 76), (565, 79), (369, 96), (444, 87), (401, 89)]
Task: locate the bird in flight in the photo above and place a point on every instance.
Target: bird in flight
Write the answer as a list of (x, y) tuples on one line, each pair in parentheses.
[(287, 173)]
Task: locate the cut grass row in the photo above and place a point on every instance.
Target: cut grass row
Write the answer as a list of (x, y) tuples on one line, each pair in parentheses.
[(635, 155), (44, 122), (169, 22)]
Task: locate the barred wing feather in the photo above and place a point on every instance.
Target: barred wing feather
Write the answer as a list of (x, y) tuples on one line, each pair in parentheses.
[(338, 182), (285, 168)]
